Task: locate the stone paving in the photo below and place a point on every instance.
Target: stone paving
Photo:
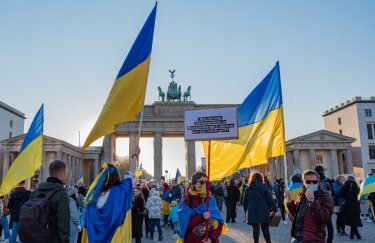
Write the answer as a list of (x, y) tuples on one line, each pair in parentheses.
[(241, 232)]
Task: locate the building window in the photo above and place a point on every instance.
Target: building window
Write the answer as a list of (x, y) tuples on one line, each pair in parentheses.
[(340, 131), (371, 149), (10, 134), (319, 159), (339, 120), (367, 112), (369, 131), (11, 123), (373, 171)]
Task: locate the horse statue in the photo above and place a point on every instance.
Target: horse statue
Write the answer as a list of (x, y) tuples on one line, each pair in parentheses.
[(161, 94), (187, 93)]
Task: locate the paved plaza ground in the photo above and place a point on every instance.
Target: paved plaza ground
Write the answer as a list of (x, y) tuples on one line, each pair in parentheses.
[(241, 232)]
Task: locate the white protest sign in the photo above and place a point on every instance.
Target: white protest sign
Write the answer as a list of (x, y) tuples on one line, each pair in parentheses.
[(211, 124)]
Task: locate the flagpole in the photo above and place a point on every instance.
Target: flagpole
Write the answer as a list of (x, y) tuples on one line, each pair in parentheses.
[(208, 186), (140, 128)]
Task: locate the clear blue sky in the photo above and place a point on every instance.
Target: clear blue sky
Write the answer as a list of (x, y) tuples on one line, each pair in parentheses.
[(67, 55)]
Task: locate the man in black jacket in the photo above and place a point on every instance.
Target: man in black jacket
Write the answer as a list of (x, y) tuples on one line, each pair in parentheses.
[(17, 198)]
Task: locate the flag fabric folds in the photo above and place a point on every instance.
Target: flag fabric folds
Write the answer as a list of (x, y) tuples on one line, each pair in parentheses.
[(367, 186), (127, 95), (80, 179), (179, 178), (261, 131), (139, 172), (111, 222), (30, 157)]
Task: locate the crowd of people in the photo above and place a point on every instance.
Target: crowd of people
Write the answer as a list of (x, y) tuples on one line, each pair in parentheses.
[(307, 201)]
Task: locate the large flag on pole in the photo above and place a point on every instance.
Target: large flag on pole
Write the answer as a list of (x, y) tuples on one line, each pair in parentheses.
[(30, 157), (127, 95), (261, 130), (179, 178)]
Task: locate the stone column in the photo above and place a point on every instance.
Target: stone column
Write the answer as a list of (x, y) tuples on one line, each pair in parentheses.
[(341, 163), (278, 168), (289, 156), (158, 155), (190, 164), (312, 159), (334, 163), (133, 136), (349, 160), (6, 163), (297, 161), (78, 170), (109, 148), (96, 167), (69, 166), (282, 175), (59, 155), (273, 168)]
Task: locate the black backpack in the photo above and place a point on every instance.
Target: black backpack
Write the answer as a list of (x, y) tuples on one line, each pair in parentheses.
[(34, 218)]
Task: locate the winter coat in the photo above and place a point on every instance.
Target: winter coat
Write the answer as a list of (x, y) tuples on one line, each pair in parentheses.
[(173, 215), (279, 193), (317, 215), (233, 195), (258, 202), (74, 220), (16, 200), (154, 205), (175, 193), (351, 208), (59, 214), (336, 187), (137, 217)]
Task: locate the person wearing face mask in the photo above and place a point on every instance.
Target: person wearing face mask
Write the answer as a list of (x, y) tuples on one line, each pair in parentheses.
[(311, 210), (193, 213)]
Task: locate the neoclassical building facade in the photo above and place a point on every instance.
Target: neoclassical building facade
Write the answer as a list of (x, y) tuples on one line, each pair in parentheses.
[(88, 162)]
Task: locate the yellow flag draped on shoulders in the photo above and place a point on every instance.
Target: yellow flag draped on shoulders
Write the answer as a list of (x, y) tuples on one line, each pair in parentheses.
[(127, 95), (261, 131), (30, 157)]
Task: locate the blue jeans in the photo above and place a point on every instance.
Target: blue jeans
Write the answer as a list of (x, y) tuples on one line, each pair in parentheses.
[(153, 223), (14, 232), (4, 222)]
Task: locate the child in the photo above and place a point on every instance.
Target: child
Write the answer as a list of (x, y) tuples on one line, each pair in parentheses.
[(154, 206), (173, 216)]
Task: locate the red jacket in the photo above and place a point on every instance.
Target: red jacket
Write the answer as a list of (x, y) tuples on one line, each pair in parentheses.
[(316, 218)]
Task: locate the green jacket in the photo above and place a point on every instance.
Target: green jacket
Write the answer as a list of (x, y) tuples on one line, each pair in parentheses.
[(59, 213)]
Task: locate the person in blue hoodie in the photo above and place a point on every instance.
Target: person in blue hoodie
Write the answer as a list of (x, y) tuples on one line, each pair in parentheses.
[(173, 216), (339, 201)]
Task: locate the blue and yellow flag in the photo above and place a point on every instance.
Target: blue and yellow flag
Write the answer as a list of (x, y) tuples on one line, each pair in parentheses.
[(111, 222), (139, 172), (30, 157), (127, 95), (179, 178), (80, 179), (367, 186), (261, 131)]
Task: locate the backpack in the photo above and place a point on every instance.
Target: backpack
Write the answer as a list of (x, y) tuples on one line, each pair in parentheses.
[(34, 218), (326, 186), (219, 191)]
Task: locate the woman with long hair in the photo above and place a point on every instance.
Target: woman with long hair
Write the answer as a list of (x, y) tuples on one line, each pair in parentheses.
[(258, 201), (146, 194), (351, 208), (74, 214), (108, 205), (138, 212)]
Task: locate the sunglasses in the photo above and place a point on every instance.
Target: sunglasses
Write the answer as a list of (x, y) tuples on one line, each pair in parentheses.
[(312, 182), (201, 182)]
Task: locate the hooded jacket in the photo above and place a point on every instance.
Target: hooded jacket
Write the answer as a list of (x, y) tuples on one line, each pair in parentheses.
[(59, 212), (154, 205), (16, 200)]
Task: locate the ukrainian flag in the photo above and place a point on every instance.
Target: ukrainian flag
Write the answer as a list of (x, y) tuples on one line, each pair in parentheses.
[(80, 179), (139, 172), (112, 222), (30, 157), (179, 178), (127, 95), (367, 186), (261, 131)]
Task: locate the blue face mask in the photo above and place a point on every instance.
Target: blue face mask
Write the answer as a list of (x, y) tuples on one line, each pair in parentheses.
[(312, 187)]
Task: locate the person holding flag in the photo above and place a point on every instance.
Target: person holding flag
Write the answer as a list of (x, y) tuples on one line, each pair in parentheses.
[(193, 214)]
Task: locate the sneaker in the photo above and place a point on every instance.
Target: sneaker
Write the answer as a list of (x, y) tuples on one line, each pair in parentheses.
[(160, 238), (369, 221), (284, 222), (175, 236), (362, 217)]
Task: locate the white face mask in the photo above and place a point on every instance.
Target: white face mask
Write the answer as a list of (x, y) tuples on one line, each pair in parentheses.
[(312, 187)]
